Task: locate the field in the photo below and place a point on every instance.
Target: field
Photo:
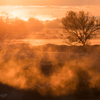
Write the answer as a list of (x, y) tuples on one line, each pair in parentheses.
[(49, 72)]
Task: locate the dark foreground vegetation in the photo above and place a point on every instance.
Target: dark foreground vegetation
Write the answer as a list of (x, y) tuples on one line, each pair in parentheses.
[(49, 72)]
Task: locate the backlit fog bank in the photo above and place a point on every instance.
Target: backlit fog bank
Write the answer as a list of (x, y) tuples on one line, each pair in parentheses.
[(50, 69), (29, 62)]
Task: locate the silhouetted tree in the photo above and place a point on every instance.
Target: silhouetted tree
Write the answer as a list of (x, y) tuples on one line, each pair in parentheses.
[(34, 25), (19, 29), (12, 28), (80, 27), (4, 26)]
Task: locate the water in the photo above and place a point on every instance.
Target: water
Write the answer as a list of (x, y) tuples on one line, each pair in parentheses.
[(47, 41)]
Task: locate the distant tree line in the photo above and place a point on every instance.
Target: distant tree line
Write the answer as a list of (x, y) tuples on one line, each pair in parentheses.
[(79, 27)]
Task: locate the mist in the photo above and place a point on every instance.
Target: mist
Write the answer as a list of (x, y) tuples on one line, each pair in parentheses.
[(59, 71), (49, 70)]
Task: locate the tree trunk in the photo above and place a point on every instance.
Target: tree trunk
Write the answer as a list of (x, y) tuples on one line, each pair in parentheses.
[(84, 46)]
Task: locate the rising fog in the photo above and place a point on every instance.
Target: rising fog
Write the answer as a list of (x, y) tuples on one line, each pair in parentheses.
[(47, 69)]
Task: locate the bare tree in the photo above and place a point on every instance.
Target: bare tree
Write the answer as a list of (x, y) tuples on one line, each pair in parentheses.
[(4, 26), (80, 27), (11, 28)]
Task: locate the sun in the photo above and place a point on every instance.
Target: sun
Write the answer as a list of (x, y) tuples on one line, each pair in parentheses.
[(14, 14), (19, 15), (44, 17), (25, 17)]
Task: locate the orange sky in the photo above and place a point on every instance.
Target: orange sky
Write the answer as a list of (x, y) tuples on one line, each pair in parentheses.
[(47, 9), (50, 2), (47, 12)]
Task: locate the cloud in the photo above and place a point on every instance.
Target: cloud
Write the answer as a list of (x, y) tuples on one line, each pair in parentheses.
[(50, 2), (48, 12)]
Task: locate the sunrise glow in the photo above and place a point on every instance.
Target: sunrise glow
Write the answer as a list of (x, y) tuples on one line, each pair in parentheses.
[(49, 49), (44, 17), (46, 12)]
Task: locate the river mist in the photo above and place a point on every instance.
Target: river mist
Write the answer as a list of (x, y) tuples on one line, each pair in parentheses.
[(36, 63), (51, 69)]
